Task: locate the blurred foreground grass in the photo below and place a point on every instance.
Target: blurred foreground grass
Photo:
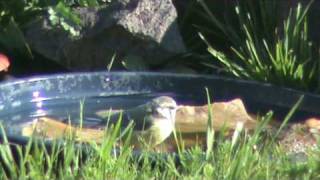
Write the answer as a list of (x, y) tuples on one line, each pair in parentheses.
[(255, 155)]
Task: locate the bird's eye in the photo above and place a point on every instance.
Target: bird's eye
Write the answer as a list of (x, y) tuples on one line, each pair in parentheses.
[(163, 112), (172, 107), (149, 109)]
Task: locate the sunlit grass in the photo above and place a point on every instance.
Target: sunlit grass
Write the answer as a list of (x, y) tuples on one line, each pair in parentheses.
[(260, 49), (243, 156)]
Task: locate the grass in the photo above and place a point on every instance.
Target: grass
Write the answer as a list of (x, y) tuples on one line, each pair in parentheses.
[(244, 156), (261, 49)]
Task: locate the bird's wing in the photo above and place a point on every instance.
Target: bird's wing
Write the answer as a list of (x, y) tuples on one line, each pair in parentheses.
[(138, 115), (105, 113)]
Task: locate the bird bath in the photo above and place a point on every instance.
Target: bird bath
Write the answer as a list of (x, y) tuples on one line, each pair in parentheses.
[(60, 96)]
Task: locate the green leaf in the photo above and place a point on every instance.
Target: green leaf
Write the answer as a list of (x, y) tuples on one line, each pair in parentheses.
[(62, 15), (66, 12), (13, 39)]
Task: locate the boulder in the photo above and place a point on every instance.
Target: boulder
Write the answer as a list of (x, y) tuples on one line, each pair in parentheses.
[(191, 119), (146, 29)]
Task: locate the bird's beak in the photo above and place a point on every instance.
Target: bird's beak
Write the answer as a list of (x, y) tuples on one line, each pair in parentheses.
[(173, 114), (169, 114)]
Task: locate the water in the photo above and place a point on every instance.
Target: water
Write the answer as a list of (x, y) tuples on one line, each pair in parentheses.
[(59, 96), (68, 109)]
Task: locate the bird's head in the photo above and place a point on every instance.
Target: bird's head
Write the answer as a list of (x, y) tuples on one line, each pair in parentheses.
[(163, 107)]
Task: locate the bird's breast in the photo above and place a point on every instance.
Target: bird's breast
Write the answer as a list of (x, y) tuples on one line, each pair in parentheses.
[(164, 128)]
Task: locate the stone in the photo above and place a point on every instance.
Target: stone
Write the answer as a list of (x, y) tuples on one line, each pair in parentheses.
[(313, 125), (295, 139), (146, 29), (192, 119), (53, 129)]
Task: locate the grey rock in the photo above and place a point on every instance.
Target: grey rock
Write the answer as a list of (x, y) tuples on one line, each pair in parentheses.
[(139, 28)]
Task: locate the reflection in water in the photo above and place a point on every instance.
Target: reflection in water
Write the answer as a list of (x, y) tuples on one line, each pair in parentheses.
[(67, 109), (37, 99)]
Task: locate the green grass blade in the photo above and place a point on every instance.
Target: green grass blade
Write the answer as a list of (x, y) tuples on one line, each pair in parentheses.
[(210, 130), (289, 115)]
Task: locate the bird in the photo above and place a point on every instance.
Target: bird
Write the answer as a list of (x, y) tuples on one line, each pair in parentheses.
[(153, 121)]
